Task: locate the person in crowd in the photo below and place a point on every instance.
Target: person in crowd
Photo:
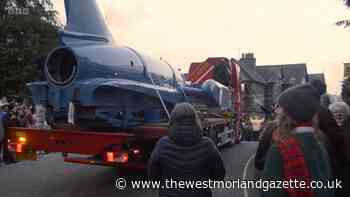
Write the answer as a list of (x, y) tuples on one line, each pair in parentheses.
[(6, 156), (185, 154), (39, 118), (20, 118), (27, 108), (264, 145), (19, 113), (265, 139), (340, 111), (329, 129), (321, 87), (327, 123), (296, 153), (13, 113), (3, 115), (346, 99), (4, 100), (333, 137)]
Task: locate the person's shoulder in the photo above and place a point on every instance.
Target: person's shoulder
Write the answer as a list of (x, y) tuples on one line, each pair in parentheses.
[(164, 140), (208, 145), (163, 143)]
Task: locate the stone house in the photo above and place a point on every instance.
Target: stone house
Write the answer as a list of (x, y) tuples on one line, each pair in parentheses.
[(263, 84)]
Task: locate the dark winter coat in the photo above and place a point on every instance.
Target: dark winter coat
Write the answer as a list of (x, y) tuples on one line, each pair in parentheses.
[(185, 155), (338, 148), (333, 141), (329, 126), (344, 164)]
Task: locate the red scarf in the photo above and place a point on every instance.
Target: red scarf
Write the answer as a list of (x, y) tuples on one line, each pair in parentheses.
[(294, 165)]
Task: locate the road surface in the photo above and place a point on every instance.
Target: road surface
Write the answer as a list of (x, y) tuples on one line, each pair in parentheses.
[(50, 176)]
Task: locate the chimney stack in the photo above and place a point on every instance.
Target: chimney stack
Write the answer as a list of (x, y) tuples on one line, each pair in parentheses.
[(248, 60)]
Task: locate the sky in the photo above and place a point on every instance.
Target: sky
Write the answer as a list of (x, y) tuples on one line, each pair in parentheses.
[(276, 31)]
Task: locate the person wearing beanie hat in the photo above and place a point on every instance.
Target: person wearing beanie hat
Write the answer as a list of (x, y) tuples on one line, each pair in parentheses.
[(295, 153), (300, 102), (185, 155)]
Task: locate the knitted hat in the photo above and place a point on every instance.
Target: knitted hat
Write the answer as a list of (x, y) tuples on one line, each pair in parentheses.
[(301, 102)]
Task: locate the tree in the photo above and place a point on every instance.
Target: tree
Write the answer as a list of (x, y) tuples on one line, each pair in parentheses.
[(346, 22), (347, 2), (28, 31)]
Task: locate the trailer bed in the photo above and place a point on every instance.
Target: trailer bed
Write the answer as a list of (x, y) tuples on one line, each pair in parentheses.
[(132, 146)]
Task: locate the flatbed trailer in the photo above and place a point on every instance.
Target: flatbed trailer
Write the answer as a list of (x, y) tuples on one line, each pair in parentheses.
[(125, 148)]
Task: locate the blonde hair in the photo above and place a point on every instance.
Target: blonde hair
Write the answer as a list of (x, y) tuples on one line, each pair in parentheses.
[(285, 125)]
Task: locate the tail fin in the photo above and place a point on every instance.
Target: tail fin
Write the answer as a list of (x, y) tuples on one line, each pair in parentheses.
[(84, 22)]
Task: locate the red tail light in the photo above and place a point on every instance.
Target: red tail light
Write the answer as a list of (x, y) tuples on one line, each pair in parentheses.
[(110, 156), (124, 158), (19, 148), (118, 158)]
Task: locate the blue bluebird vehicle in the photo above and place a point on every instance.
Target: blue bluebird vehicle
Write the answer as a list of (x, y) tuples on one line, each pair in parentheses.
[(113, 85), (112, 102)]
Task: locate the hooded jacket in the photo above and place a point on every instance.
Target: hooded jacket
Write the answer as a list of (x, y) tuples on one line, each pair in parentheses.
[(185, 155)]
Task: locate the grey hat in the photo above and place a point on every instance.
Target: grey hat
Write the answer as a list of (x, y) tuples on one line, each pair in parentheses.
[(185, 127), (301, 102)]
